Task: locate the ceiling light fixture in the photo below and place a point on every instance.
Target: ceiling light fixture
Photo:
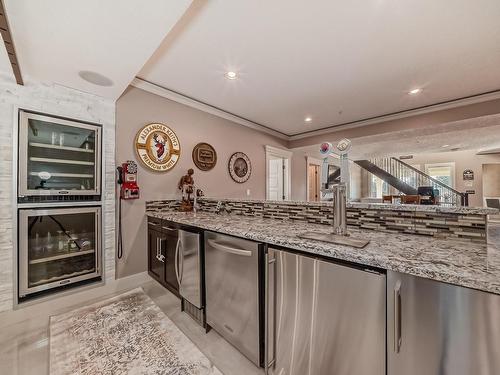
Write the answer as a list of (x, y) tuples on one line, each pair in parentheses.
[(308, 119), (414, 91), (231, 75)]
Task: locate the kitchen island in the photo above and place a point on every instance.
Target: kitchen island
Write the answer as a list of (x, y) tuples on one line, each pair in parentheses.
[(407, 303), (463, 263)]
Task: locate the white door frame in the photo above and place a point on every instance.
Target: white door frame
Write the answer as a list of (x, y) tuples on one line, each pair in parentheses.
[(313, 161), (285, 154)]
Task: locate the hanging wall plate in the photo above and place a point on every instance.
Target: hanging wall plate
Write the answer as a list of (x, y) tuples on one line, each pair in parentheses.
[(204, 156), (240, 167), (157, 147)]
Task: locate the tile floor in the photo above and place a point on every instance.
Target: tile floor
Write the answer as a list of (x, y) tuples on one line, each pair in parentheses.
[(26, 351)]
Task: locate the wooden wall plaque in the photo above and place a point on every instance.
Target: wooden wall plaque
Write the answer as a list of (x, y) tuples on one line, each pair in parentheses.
[(204, 156)]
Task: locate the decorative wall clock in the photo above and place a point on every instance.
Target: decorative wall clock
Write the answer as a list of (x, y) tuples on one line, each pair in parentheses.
[(157, 147), (204, 156), (240, 167)]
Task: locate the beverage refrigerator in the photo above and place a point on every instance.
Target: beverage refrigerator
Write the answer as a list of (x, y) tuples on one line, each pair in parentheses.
[(59, 204)]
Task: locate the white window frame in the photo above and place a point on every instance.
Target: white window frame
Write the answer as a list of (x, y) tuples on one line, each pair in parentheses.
[(285, 154), (446, 164)]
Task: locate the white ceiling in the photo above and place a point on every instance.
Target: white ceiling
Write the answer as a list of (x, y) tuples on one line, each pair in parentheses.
[(55, 39), (335, 61)]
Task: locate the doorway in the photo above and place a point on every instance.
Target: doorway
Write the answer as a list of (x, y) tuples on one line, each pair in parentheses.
[(314, 183), (277, 174)]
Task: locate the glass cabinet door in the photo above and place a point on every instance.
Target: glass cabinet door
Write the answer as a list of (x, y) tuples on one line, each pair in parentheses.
[(58, 156), (57, 247)]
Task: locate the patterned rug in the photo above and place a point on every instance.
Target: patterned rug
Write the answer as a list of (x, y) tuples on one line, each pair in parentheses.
[(126, 334)]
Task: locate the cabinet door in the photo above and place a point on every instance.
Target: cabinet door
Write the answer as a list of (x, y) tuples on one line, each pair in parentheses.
[(436, 328), (169, 245), (348, 328), (156, 266), (324, 318)]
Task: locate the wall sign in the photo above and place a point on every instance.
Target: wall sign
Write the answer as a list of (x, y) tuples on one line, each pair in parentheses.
[(468, 175), (204, 156), (240, 167), (157, 147)]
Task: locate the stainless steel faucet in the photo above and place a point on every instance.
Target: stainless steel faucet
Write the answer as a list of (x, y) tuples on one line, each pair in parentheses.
[(339, 209)]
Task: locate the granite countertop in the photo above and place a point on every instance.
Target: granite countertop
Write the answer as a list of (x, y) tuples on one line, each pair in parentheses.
[(467, 264), (376, 206)]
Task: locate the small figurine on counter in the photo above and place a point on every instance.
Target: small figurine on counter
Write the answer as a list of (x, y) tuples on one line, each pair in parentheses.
[(186, 186)]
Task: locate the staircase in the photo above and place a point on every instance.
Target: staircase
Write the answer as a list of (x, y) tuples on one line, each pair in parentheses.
[(407, 179), (334, 177)]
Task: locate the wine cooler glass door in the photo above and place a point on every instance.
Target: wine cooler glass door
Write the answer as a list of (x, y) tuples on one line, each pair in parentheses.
[(57, 247), (57, 156)]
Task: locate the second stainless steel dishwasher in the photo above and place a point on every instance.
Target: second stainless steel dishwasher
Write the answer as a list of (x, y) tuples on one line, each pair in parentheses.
[(232, 291)]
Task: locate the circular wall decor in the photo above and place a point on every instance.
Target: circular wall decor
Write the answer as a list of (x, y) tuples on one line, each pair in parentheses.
[(240, 167), (158, 147), (204, 156)]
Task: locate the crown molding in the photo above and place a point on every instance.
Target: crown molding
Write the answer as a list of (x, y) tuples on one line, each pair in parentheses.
[(193, 103), (400, 115), (179, 98)]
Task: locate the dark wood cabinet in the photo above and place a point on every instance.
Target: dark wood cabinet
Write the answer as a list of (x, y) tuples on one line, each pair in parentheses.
[(156, 266), (169, 247), (162, 244)]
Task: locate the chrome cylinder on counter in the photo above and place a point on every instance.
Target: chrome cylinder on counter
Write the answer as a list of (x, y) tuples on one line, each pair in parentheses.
[(339, 209)]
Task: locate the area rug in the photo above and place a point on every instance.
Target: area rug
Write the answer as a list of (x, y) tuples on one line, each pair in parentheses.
[(126, 334)]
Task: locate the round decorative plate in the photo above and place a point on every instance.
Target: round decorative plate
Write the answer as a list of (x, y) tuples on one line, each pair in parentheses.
[(158, 147), (204, 156), (240, 167)]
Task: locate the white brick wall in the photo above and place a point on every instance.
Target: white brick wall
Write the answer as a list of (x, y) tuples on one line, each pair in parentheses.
[(57, 100)]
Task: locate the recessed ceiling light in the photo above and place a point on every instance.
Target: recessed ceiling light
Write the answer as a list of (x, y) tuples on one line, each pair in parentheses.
[(231, 75), (308, 119), (444, 146), (95, 78), (414, 91)]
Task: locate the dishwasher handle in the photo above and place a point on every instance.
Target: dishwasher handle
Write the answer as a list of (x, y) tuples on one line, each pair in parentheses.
[(229, 249), (269, 362), (397, 318), (176, 261)]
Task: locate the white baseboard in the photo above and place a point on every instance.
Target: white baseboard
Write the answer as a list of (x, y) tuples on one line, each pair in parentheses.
[(34, 315)]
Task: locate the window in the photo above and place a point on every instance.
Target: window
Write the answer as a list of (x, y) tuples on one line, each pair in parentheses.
[(378, 187), (443, 172)]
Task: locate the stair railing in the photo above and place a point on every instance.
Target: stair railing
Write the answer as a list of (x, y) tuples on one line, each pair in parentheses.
[(416, 178)]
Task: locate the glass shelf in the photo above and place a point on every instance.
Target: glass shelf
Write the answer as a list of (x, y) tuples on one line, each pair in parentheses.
[(61, 256)]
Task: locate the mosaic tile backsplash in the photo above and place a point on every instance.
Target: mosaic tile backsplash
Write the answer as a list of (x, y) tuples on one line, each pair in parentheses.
[(465, 224)]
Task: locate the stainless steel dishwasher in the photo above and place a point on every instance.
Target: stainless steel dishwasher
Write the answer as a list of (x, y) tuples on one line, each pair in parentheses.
[(436, 328), (323, 318), (232, 291)]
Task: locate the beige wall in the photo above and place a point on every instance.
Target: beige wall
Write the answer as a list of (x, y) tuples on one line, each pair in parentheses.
[(491, 180), (137, 108), (299, 176)]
